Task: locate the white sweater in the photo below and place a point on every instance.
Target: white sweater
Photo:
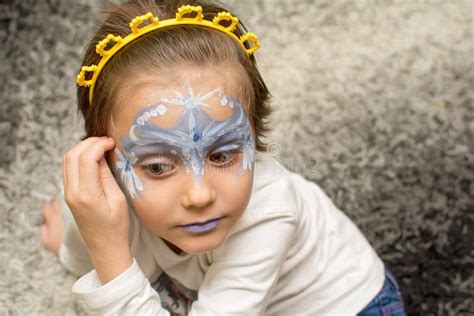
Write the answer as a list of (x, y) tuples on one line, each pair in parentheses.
[(292, 252)]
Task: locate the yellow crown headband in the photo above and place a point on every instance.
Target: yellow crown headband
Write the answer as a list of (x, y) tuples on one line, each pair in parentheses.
[(137, 28)]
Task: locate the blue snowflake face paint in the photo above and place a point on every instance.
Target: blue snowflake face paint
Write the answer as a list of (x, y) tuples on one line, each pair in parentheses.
[(127, 174), (187, 129)]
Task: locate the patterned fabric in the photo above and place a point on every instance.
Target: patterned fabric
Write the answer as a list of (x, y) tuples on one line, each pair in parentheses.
[(175, 297)]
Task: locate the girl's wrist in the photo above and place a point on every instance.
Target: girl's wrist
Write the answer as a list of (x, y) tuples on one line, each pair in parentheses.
[(109, 267)]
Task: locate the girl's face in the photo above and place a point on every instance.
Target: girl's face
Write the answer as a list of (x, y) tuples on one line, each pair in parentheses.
[(185, 154)]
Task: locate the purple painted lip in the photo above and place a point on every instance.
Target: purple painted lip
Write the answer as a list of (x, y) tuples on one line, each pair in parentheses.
[(203, 223), (204, 227)]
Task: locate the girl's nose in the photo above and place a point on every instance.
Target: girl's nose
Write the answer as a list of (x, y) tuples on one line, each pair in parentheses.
[(198, 194)]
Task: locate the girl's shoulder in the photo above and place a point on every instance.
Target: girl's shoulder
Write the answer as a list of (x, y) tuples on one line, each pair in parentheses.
[(273, 186), (273, 193)]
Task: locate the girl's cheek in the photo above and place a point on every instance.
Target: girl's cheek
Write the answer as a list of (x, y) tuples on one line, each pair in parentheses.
[(236, 185), (160, 189)]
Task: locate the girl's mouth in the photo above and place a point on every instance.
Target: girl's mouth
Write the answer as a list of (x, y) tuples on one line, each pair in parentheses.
[(202, 227)]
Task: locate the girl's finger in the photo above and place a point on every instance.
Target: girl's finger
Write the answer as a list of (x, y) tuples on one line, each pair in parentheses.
[(89, 165), (71, 164), (109, 184)]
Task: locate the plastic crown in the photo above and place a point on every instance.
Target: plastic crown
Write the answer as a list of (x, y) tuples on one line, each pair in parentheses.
[(138, 29)]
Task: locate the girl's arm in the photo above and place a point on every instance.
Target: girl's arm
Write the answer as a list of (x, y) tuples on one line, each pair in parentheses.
[(98, 205), (128, 294), (100, 211), (240, 280)]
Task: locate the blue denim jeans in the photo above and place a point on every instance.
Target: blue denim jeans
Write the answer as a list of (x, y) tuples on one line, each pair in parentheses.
[(389, 300)]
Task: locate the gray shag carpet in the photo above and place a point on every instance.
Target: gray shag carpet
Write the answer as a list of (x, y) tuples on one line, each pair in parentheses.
[(373, 101)]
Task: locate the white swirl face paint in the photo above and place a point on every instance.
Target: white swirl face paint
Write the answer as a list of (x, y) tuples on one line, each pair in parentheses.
[(192, 138)]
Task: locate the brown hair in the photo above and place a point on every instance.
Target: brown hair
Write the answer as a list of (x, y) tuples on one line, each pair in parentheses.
[(165, 48)]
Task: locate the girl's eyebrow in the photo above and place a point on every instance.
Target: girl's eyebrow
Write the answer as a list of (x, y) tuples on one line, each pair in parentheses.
[(227, 138), (161, 147), (151, 149)]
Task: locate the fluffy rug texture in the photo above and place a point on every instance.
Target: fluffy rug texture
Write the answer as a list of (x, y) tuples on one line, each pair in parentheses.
[(373, 100)]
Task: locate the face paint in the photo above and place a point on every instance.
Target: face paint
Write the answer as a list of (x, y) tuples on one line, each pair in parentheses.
[(192, 138), (127, 174)]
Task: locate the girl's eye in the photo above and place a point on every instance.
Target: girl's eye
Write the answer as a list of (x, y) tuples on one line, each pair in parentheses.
[(222, 157), (158, 169)]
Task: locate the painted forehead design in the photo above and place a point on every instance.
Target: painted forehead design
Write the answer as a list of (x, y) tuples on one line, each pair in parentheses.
[(194, 135)]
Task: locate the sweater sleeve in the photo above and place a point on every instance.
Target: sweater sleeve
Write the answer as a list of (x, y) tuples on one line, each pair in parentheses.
[(245, 271), (129, 293)]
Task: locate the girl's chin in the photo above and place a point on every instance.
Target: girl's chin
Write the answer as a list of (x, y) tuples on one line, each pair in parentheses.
[(196, 247)]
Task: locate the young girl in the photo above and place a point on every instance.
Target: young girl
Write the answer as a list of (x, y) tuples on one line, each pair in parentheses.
[(176, 207)]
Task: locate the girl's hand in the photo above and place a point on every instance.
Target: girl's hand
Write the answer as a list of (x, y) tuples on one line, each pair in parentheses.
[(98, 205)]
